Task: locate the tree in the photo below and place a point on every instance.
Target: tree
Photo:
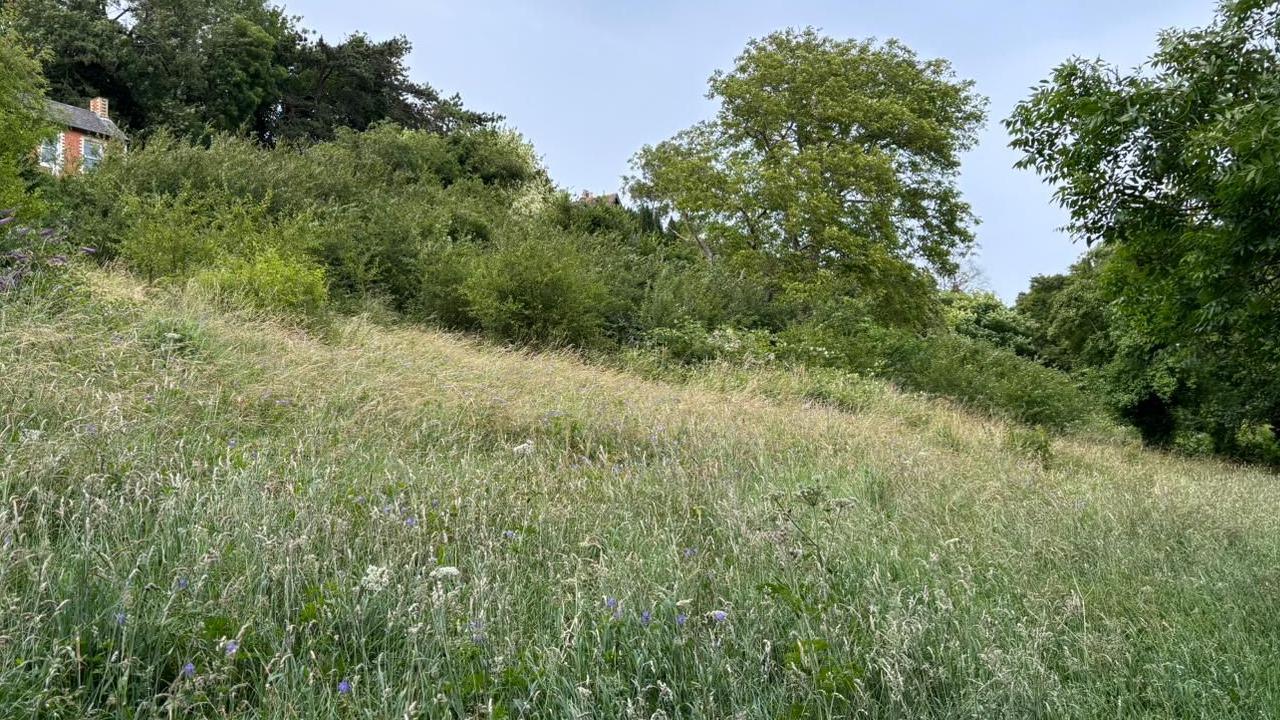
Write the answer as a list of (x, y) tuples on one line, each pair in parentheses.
[(205, 66), (829, 160), (22, 122), (1174, 167)]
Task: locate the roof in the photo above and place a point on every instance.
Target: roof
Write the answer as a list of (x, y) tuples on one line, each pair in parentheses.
[(609, 199), (83, 119)]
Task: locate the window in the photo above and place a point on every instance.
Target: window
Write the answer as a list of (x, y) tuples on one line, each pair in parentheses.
[(50, 154), (92, 153)]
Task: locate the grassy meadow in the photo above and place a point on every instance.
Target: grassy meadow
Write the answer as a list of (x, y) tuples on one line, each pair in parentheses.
[(211, 514)]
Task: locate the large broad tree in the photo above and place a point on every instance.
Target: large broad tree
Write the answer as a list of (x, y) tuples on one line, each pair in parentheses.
[(830, 162), (1174, 166)]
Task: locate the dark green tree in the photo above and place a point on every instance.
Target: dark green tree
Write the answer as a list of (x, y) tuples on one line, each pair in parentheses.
[(1173, 166), (206, 66)]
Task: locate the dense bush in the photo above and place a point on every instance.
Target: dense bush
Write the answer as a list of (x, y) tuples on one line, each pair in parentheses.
[(464, 231), (976, 373), (539, 287), (269, 281)]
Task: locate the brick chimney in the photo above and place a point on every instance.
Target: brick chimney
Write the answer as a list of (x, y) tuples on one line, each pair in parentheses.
[(99, 106)]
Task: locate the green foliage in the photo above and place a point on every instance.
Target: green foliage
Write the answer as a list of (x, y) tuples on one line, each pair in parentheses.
[(800, 174), (1172, 167), (982, 316), (974, 372), (271, 282), (241, 66), (539, 287), (22, 117)]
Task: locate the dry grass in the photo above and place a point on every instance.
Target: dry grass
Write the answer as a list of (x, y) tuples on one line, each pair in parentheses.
[(175, 477)]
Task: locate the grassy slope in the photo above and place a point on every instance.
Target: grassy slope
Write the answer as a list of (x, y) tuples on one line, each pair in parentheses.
[(904, 560)]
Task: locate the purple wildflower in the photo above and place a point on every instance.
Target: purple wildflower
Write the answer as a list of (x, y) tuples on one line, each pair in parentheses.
[(509, 534), (719, 615), (121, 618), (611, 602), (344, 687), (411, 521), (183, 583), (646, 617), (231, 647), (690, 552), (681, 619), (189, 670)]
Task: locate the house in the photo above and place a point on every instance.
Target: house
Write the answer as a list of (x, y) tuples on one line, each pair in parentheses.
[(610, 199), (84, 135)]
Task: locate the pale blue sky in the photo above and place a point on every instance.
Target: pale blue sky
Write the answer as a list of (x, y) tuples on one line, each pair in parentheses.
[(589, 83)]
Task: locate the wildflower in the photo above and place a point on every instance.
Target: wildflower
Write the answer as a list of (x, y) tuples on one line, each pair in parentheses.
[(344, 687), (611, 602), (646, 617), (719, 615), (121, 618), (183, 583), (411, 521), (231, 647), (690, 552), (681, 619), (376, 578), (509, 534), (445, 571), (189, 670)]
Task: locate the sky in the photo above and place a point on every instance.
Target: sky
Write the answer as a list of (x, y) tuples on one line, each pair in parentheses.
[(590, 83)]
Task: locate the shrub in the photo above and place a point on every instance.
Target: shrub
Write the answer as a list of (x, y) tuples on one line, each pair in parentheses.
[(271, 282), (539, 287), (979, 375)]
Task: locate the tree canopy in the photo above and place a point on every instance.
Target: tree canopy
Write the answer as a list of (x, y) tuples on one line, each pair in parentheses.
[(228, 66), (22, 122), (829, 160), (1173, 166)]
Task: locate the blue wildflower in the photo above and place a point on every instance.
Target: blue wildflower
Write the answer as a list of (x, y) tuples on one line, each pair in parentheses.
[(121, 618), (690, 552), (344, 687), (183, 583), (681, 619), (611, 602), (231, 647), (189, 670), (410, 521), (719, 615), (509, 534), (646, 617)]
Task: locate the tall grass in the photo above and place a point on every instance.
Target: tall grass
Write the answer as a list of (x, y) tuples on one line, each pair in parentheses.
[(214, 515)]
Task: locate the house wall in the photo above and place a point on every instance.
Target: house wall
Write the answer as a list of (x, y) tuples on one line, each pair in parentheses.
[(72, 141)]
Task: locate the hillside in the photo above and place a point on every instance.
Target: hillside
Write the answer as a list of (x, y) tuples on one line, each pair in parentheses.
[(211, 513)]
